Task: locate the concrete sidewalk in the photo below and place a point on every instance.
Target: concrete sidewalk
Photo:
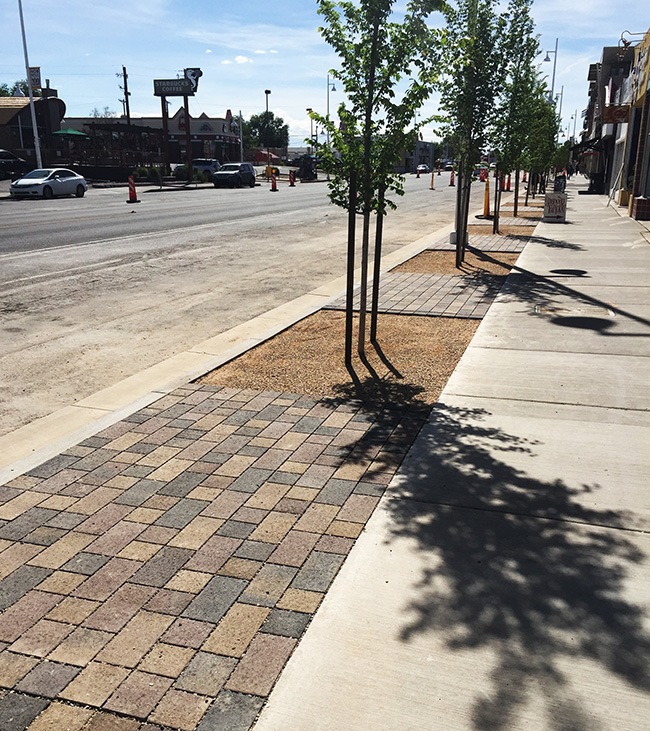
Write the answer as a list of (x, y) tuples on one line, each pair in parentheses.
[(503, 582)]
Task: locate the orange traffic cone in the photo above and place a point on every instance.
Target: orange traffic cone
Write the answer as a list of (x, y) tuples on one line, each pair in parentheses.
[(292, 179), (433, 179), (451, 180), (525, 178), (274, 184), (133, 198), (508, 183)]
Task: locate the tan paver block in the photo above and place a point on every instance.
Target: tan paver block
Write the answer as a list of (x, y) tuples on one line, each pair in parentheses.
[(191, 581), (61, 717), (303, 493), (59, 502), (4, 544), (265, 442), (240, 568), (226, 504), (196, 533), (104, 582), (94, 684), (16, 555), (132, 643), (205, 493), (72, 610), (258, 670), (80, 647), (168, 660), (173, 468), (159, 456), (125, 458), (296, 468), (180, 710), (219, 433), (139, 694), (344, 529), (352, 470), (14, 667), (139, 551), (300, 600), (357, 508), (21, 504), (317, 518), (125, 441), (267, 496), (236, 630), (235, 466), (338, 419), (273, 528), (62, 551), (97, 499), (294, 548), (61, 582), (42, 638), (291, 440), (144, 515), (121, 482)]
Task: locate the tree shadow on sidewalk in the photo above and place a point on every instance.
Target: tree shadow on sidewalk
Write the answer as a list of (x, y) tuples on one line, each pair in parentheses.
[(523, 567)]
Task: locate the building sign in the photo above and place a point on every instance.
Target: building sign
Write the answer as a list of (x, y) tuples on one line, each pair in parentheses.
[(616, 114), (555, 207), (35, 76), (187, 86)]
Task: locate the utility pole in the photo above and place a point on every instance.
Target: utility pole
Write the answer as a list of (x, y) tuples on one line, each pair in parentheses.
[(37, 145), (127, 94)]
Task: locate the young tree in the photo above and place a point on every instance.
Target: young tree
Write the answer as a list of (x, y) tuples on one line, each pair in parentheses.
[(105, 113), (20, 86), (514, 105), (377, 52), (473, 78)]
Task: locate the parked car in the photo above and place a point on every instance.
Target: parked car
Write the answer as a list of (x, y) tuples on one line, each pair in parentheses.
[(448, 165), (423, 169), (234, 175), (11, 165), (204, 163), (49, 182)]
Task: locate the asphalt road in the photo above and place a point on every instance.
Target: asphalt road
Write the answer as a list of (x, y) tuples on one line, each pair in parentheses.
[(93, 290)]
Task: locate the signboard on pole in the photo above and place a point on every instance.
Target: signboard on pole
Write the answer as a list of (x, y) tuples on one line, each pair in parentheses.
[(35, 77), (616, 114), (187, 86), (172, 87)]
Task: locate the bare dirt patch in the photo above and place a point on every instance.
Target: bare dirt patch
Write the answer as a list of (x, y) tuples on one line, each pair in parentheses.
[(444, 262), (417, 356)]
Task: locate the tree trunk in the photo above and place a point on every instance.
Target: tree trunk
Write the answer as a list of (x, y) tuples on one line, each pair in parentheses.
[(367, 192), (349, 294), (379, 230), (515, 211)]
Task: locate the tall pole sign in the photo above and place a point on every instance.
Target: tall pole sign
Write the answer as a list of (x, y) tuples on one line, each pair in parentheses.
[(185, 87)]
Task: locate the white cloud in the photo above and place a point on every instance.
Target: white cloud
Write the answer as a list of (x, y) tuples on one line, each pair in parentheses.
[(226, 62), (243, 59), (208, 50), (260, 52)]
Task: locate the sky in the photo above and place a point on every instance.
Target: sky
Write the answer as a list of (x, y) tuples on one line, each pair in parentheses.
[(248, 46)]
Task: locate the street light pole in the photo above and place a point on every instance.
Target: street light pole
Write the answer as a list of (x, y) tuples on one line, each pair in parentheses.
[(311, 129), (268, 150), (330, 85), (37, 144), (551, 95)]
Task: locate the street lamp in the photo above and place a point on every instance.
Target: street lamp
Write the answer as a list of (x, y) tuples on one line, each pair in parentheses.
[(37, 145), (330, 85), (311, 129), (268, 150), (550, 97)]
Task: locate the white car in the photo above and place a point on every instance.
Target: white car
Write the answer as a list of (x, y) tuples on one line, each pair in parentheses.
[(48, 182)]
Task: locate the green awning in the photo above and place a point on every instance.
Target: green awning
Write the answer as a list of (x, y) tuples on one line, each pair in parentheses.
[(69, 132)]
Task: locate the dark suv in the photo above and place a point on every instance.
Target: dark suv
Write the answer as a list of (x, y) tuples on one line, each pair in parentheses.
[(234, 175), (11, 165)]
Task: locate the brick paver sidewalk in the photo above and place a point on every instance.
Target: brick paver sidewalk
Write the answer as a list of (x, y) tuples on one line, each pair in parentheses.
[(160, 574), (441, 295)]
